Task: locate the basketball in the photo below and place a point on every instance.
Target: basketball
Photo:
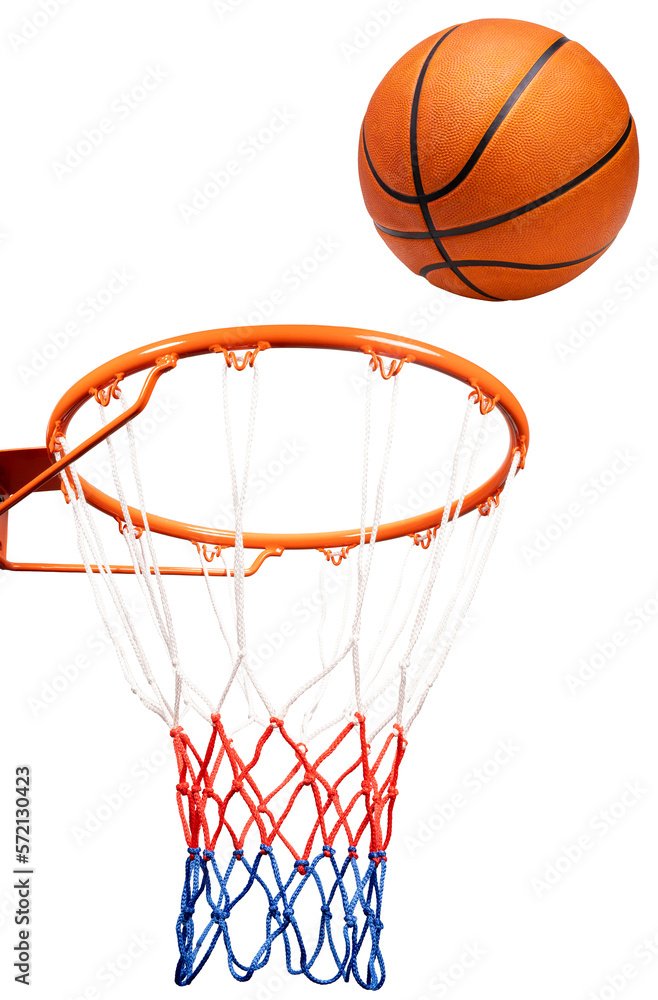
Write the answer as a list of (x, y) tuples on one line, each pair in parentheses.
[(498, 159)]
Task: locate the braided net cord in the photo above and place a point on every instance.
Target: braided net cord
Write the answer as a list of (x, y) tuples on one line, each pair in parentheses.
[(351, 810), (243, 835)]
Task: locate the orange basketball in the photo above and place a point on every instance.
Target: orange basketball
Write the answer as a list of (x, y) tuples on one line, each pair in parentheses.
[(498, 159)]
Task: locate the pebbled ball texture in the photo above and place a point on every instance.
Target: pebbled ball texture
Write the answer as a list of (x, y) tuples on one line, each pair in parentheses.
[(498, 159)]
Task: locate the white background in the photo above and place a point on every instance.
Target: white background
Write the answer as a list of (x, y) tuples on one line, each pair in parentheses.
[(225, 73)]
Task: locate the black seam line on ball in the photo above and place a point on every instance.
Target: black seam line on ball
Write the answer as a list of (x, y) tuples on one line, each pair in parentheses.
[(407, 199), (508, 216), (424, 271), (476, 227), (484, 141), (418, 182), (499, 119)]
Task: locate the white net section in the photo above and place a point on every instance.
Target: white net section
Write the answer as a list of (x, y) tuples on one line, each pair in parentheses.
[(379, 659)]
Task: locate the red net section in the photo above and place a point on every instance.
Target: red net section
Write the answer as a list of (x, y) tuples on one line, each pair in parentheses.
[(218, 790)]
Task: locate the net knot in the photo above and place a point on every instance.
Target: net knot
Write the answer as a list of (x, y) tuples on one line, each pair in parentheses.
[(425, 539), (328, 851), (237, 361), (485, 402), (273, 910), (194, 851), (352, 853), (302, 865), (390, 370), (237, 785), (377, 855), (350, 920), (310, 777), (219, 916), (288, 913), (188, 913), (522, 449), (266, 848), (104, 394), (182, 787), (176, 731), (238, 854), (326, 910), (208, 855), (276, 722), (336, 557), (490, 504)]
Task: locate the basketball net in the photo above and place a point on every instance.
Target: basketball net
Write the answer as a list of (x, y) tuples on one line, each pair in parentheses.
[(276, 802)]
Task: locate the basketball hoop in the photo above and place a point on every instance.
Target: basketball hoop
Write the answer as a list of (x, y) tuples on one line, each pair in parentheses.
[(287, 796)]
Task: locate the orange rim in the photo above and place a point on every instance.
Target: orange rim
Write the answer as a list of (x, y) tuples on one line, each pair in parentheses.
[(240, 345)]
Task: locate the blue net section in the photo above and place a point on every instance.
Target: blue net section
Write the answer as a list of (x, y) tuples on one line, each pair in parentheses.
[(347, 901)]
